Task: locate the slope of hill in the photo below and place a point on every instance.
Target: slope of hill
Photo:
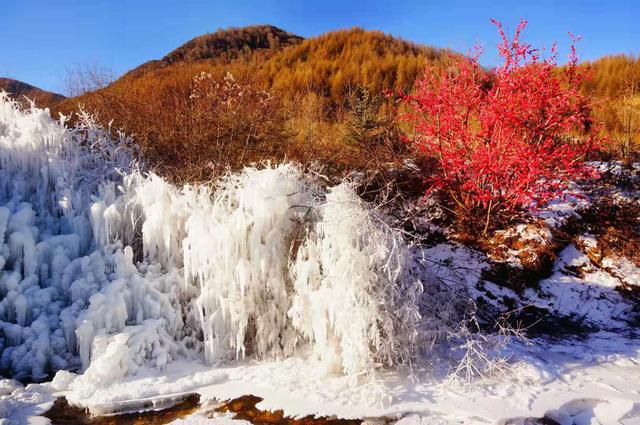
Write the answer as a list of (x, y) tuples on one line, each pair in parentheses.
[(334, 63), (312, 87), (19, 90), (614, 76), (330, 65)]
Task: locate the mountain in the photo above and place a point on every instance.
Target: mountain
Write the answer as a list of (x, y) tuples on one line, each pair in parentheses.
[(19, 90), (331, 65), (223, 46)]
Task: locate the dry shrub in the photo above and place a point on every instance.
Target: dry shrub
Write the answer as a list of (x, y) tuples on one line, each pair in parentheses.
[(88, 78), (194, 125), (194, 122)]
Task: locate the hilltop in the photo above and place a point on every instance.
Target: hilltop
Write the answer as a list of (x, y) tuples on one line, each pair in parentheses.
[(223, 46), (19, 90)]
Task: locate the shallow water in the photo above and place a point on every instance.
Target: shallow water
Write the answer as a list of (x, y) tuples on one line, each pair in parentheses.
[(62, 413)]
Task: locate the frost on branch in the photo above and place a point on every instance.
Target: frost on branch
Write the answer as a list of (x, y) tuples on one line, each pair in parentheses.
[(120, 354), (236, 252), (230, 243), (355, 299)]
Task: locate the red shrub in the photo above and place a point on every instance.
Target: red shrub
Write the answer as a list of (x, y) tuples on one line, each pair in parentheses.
[(506, 139)]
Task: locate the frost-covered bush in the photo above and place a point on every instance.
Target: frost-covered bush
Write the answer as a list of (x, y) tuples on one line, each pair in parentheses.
[(230, 243), (355, 297), (51, 267), (117, 355), (144, 212), (236, 252), (53, 167), (132, 298)]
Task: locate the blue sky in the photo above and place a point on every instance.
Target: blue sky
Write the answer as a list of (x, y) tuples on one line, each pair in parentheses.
[(40, 40)]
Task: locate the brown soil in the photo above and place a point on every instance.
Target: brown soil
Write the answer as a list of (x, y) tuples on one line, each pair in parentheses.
[(616, 226), (245, 408)]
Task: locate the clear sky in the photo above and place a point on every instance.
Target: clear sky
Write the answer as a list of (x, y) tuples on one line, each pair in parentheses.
[(41, 39)]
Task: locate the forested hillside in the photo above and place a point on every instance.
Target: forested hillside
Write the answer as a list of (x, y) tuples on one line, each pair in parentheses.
[(238, 96), (615, 88)]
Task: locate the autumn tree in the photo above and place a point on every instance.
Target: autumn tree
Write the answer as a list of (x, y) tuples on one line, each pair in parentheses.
[(504, 140)]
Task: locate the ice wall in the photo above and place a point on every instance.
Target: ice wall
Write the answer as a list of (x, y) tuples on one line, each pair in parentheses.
[(105, 268)]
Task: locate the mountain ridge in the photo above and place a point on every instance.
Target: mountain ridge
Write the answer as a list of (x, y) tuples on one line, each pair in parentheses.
[(18, 90), (223, 45)]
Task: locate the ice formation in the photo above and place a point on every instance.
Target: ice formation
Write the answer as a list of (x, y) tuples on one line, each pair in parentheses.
[(236, 252), (354, 295), (105, 268), (49, 268)]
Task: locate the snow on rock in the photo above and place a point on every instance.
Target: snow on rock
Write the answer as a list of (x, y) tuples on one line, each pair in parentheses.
[(579, 289), (559, 211), (24, 405), (7, 386), (521, 244)]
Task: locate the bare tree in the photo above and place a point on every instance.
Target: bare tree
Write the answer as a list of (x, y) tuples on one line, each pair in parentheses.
[(87, 78)]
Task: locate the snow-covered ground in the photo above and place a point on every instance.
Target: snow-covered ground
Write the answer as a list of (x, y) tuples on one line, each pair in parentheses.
[(120, 290), (594, 380)]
